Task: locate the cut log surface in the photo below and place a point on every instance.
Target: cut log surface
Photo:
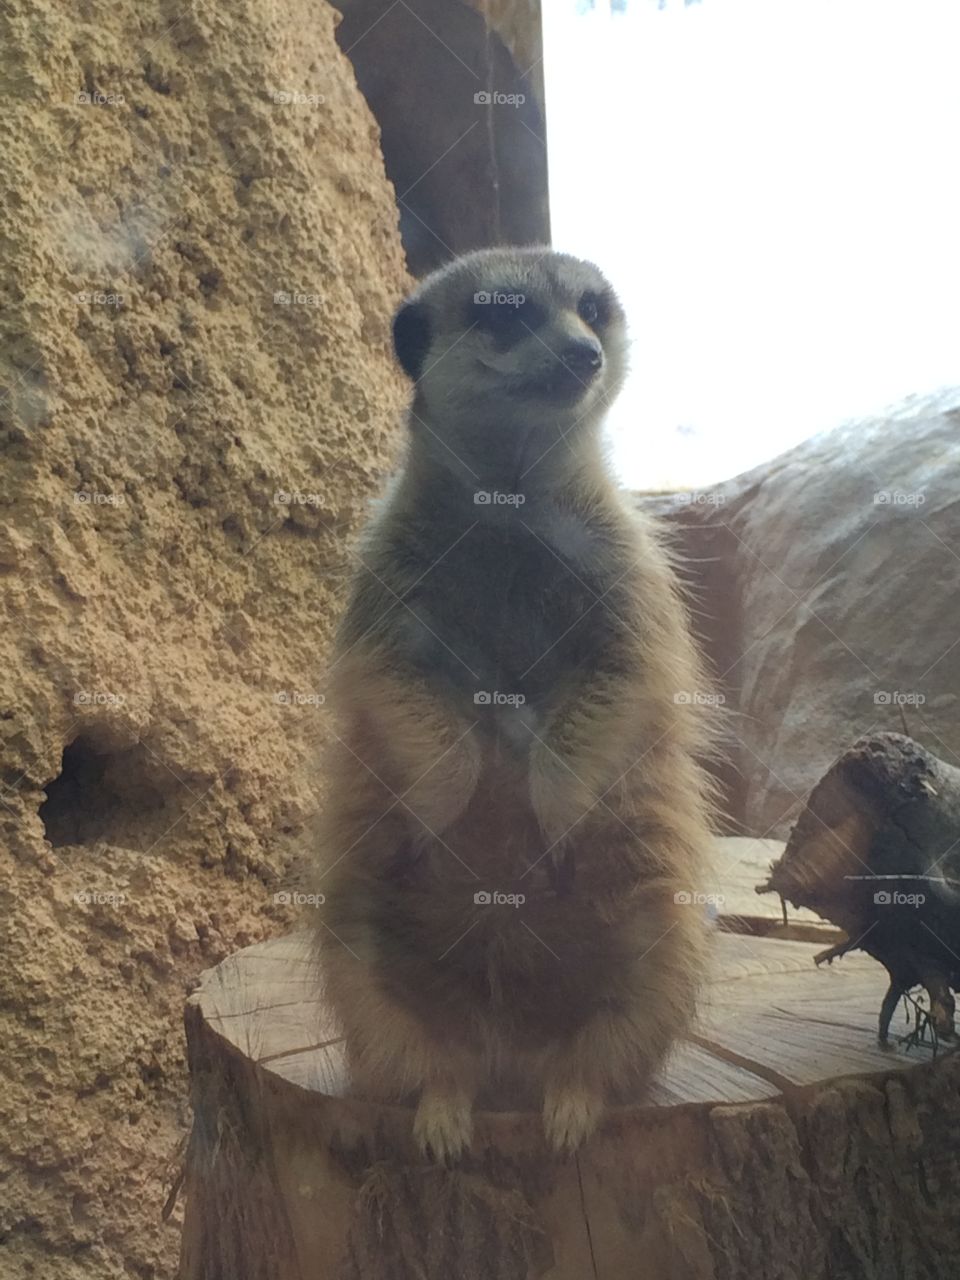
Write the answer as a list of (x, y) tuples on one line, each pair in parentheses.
[(780, 1143), (739, 864)]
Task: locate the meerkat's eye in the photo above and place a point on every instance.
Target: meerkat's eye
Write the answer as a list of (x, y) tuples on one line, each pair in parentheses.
[(507, 316), (591, 309)]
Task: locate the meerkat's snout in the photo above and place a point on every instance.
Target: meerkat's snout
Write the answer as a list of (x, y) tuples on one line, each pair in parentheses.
[(583, 358), (578, 361)]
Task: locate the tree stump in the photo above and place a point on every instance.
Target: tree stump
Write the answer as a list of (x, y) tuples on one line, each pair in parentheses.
[(781, 1143)]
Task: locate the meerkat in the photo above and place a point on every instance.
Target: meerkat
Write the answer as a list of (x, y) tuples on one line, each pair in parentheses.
[(518, 809)]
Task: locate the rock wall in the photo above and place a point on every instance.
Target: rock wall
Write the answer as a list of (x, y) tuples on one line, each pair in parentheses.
[(827, 584), (196, 397)]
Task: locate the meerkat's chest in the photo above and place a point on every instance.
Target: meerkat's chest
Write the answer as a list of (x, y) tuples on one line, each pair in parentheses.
[(515, 607)]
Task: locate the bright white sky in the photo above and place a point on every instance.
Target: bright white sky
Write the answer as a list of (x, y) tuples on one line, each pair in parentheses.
[(774, 188)]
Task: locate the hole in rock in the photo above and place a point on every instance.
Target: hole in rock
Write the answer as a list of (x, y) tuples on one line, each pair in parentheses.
[(122, 796)]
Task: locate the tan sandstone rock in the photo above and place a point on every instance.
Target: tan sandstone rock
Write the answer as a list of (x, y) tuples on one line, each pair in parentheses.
[(171, 171), (827, 584)]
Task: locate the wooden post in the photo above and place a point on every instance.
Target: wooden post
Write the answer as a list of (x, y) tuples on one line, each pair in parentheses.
[(782, 1143)]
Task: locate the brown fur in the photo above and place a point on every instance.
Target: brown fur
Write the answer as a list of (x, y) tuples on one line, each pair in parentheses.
[(588, 799)]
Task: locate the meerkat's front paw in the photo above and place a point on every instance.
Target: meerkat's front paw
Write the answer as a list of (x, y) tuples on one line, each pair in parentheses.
[(443, 1124), (570, 1115), (560, 798)]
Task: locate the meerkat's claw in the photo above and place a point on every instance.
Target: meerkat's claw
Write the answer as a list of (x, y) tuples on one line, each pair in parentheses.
[(570, 1117), (443, 1126)]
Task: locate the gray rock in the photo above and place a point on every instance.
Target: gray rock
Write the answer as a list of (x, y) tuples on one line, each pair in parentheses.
[(827, 584)]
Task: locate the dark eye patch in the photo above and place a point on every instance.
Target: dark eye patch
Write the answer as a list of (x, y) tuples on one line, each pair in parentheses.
[(506, 315), (594, 308)]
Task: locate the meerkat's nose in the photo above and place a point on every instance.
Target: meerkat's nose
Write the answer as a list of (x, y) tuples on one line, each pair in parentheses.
[(583, 357)]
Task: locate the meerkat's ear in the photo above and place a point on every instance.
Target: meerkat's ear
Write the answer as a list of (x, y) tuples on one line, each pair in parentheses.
[(411, 337)]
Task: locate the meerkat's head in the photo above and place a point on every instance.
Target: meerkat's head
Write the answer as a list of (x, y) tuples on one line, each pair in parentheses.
[(518, 340)]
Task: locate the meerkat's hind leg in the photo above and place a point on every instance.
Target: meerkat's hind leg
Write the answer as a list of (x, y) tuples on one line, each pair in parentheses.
[(443, 1123)]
